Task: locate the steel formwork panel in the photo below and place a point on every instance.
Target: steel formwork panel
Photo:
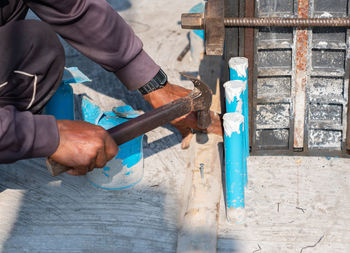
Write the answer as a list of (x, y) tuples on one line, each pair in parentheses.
[(300, 88)]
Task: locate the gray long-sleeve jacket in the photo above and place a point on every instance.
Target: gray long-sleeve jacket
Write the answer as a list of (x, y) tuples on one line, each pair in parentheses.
[(113, 45)]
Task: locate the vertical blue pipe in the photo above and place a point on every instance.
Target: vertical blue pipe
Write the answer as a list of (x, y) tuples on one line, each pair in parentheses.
[(233, 126), (234, 94), (239, 71)]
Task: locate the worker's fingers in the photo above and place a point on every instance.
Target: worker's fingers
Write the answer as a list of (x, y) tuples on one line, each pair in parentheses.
[(92, 166), (216, 124), (186, 121), (81, 171), (101, 159), (190, 121), (187, 135), (111, 148), (186, 141)]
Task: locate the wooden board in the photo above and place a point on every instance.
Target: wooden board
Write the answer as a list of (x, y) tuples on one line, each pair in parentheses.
[(199, 226)]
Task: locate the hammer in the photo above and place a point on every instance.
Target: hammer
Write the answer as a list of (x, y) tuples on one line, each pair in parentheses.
[(199, 100)]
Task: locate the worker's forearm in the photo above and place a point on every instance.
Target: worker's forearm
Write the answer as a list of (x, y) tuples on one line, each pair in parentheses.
[(24, 135), (96, 30)]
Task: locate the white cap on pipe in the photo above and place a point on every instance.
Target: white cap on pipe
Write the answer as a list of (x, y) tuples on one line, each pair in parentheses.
[(233, 89), (240, 64), (232, 123)]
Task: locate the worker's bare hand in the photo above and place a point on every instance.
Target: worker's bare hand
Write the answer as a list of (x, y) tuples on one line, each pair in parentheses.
[(186, 123), (83, 146)]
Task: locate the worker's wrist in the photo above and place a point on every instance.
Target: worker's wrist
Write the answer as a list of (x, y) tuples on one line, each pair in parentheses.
[(156, 95), (165, 95), (157, 82)]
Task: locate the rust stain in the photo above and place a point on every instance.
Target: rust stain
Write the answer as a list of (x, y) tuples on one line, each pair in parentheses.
[(301, 50), (300, 76), (303, 8), (302, 36)]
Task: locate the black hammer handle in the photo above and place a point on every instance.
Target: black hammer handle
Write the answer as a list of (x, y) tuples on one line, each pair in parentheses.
[(138, 126)]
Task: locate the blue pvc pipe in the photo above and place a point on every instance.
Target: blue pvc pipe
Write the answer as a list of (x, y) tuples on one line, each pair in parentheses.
[(236, 75), (234, 160), (234, 96)]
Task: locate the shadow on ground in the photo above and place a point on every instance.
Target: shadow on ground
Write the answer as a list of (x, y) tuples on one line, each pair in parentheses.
[(68, 214)]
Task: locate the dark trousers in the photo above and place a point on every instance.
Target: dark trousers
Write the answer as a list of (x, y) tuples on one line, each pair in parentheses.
[(32, 63)]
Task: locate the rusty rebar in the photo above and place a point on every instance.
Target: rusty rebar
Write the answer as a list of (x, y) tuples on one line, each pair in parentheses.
[(287, 22)]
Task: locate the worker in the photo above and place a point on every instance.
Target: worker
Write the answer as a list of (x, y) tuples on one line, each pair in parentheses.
[(32, 62)]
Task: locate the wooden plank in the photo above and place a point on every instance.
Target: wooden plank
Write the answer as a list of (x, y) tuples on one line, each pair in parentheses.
[(201, 193), (198, 232), (216, 105)]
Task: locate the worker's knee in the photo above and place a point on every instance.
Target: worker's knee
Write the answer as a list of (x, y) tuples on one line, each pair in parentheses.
[(43, 37), (38, 36), (32, 47)]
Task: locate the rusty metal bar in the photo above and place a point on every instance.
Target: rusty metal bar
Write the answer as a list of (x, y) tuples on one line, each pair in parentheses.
[(198, 21), (300, 79), (288, 22)]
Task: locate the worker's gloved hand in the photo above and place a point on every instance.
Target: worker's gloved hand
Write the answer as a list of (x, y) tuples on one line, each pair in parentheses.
[(83, 146), (186, 123)]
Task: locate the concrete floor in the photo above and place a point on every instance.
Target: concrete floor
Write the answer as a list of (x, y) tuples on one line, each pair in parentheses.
[(291, 202)]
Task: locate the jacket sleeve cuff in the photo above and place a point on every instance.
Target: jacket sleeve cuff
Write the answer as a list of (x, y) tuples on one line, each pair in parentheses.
[(46, 137), (138, 72)]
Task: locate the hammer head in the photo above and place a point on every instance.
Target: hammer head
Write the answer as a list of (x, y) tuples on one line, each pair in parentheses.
[(201, 101)]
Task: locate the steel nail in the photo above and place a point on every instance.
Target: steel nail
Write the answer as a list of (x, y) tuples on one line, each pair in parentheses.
[(201, 169)]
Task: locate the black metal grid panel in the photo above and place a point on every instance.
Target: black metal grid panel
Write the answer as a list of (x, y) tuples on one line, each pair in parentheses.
[(273, 82), (327, 90), (326, 86)]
